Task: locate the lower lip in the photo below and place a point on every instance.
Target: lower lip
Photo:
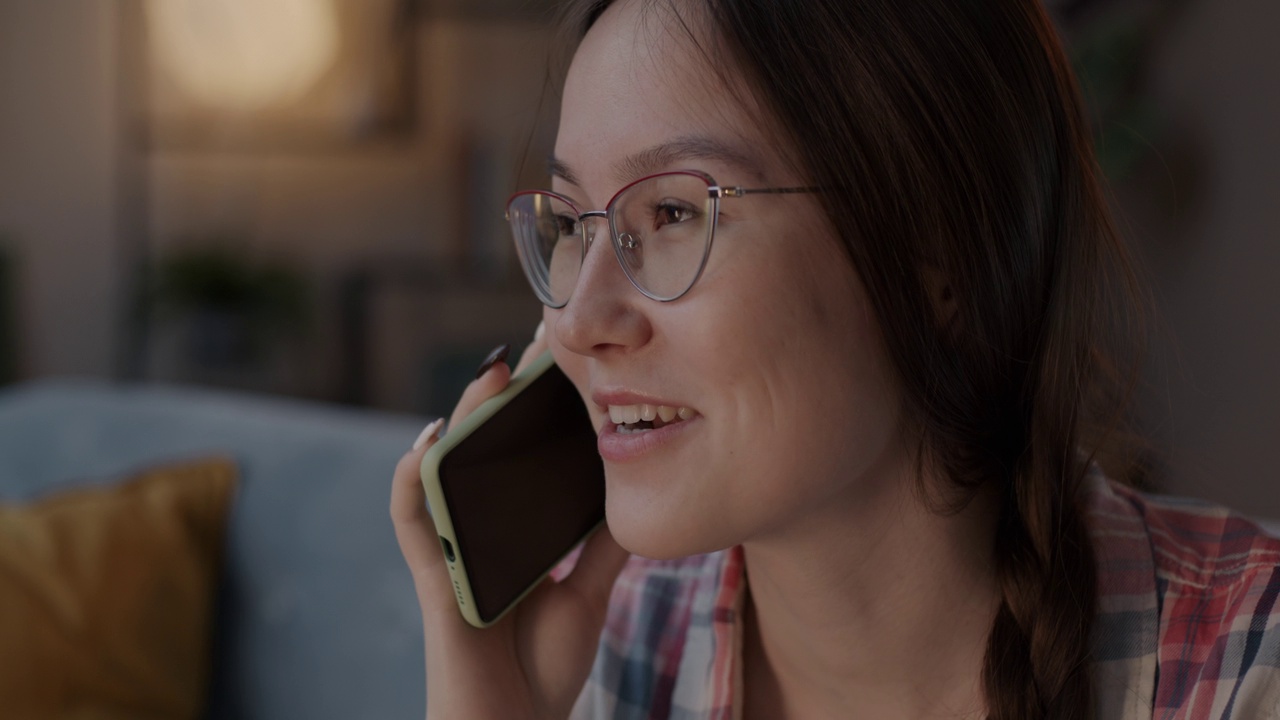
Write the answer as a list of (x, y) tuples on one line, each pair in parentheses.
[(619, 447)]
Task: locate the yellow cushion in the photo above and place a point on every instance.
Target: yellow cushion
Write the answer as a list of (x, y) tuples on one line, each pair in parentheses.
[(107, 595)]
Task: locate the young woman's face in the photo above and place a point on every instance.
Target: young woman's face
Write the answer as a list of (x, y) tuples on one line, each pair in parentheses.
[(774, 349)]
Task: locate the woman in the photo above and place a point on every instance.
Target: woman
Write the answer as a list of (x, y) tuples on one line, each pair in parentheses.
[(898, 353)]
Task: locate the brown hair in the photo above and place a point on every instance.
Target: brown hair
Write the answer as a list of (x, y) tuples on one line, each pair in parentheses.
[(966, 155)]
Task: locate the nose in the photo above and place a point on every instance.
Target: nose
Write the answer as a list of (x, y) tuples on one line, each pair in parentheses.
[(604, 313)]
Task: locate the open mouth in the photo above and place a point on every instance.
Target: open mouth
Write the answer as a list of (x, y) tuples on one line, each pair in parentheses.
[(642, 418)]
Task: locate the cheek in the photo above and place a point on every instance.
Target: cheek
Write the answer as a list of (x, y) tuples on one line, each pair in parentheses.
[(793, 303), (811, 398)]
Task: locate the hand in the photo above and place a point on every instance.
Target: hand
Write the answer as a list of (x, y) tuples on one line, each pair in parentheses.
[(534, 662)]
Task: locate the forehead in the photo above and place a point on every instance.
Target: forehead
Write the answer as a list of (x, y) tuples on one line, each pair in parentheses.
[(642, 95)]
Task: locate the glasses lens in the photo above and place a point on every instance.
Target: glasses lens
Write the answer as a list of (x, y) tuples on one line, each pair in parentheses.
[(548, 238), (663, 228)]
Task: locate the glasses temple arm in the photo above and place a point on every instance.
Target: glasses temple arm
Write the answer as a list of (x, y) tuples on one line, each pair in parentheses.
[(740, 191)]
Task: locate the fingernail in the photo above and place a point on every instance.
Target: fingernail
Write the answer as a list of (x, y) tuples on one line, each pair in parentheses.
[(498, 355), (427, 433), (542, 328)]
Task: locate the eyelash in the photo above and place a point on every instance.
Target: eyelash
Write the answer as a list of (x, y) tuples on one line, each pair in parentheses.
[(669, 205)]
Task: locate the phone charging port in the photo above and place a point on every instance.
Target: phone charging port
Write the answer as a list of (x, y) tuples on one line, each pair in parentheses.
[(448, 549)]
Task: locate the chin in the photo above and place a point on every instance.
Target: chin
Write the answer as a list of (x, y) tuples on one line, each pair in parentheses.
[(645, 529)]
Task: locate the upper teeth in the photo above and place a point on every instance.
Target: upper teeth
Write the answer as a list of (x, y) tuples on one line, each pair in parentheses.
[(635, 413)]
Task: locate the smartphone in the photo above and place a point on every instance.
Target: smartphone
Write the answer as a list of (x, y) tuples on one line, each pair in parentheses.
[(513, 489)]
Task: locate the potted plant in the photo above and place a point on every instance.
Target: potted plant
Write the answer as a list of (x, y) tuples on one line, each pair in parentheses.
[(235, 312)]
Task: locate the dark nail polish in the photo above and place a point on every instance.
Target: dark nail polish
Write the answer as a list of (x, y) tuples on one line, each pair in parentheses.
[(498, 355)]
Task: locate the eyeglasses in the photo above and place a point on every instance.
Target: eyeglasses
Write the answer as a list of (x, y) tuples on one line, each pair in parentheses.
[(661, 225)]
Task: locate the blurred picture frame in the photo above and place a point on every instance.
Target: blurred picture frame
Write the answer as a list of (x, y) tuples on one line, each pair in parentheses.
[(503, 10), (276, 75)]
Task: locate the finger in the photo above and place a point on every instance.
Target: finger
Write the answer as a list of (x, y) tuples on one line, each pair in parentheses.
[(598, 568), (415, 531), (535, 349), (496, 378), (482, 388)]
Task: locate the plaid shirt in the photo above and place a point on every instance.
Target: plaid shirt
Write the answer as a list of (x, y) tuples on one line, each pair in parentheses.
[(1188, 625)]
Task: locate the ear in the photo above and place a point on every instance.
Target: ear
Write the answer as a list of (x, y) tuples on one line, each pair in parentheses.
[(942, 298)]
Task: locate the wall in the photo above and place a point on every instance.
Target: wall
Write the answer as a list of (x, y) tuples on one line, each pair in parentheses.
[(384, 206), (479, 87), (1206, 215), (57, 166), (397, 203)]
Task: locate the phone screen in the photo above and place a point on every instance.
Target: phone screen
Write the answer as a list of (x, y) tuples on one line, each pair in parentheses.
[(523, 489)]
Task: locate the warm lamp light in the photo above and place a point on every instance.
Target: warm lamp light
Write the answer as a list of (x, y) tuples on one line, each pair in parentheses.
[(243, 55)]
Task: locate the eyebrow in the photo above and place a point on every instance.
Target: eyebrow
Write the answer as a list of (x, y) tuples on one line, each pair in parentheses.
[(654, 159)]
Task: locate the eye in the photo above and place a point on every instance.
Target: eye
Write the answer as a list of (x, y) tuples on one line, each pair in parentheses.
[(672, 212), (567, 224)]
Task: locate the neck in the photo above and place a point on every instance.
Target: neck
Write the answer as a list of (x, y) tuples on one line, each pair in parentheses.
[(871, 607)]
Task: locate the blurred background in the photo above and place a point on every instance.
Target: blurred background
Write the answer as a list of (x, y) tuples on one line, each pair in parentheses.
[(301, 197), (304, 198)]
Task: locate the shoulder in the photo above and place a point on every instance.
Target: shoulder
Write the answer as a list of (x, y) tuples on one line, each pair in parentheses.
[(1204, 549), (1192, 543), (1214, 580)]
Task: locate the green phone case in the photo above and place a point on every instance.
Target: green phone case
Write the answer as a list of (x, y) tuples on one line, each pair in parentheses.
[(440, 509)]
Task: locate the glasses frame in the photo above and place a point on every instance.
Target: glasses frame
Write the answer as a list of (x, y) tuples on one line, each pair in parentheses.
[(715, 193)]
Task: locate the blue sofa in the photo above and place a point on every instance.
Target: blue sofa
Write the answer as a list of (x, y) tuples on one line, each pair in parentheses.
[(317, 614)]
